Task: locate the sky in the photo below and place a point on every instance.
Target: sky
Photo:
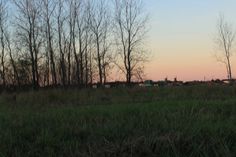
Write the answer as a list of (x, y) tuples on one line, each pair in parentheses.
[(181, 38)]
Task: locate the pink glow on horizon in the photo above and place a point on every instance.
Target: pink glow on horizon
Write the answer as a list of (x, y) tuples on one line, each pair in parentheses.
[(186, 67), (185, 72)]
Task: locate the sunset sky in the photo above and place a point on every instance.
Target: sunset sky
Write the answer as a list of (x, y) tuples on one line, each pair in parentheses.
[(181, 38)]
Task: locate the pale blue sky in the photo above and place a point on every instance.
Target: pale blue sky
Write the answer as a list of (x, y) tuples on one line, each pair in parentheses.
[(181, 37)]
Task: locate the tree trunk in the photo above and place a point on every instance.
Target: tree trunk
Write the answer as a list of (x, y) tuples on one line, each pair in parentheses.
[(99, 60)]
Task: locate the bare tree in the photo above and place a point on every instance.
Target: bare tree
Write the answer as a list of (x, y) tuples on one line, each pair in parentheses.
[(130, 28), (48, 11), (87, 44), (60, 30), (71, 41), (28, 32), (99, 24), (12, 61), (73, 12), (3, 16), (224, 40), (82, 37), (88, 59)]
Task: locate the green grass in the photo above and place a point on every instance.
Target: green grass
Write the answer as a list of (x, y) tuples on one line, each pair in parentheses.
[(165, 122)]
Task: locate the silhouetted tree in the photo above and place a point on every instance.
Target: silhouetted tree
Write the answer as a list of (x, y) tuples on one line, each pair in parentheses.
[(70, 42), (225, 40), (100, 25), (130, 28), (61, 19), (3, 18), (48, 9), (28, 32)]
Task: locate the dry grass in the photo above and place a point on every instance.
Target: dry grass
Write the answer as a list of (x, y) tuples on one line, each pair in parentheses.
[(165, 122)]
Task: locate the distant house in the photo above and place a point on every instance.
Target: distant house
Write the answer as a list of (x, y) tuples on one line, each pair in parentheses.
[(148, 83), (229, 81)]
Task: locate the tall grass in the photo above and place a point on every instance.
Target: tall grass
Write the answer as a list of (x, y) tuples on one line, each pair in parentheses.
[(165, 122)]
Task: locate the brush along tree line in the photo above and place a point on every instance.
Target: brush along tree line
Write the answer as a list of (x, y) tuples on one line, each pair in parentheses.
[(71, 42)]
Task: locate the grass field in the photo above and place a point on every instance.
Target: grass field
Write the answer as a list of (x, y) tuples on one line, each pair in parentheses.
[(197, 121)]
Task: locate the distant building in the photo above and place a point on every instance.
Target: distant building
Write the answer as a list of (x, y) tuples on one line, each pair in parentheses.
[(148, 83), (229, 81)]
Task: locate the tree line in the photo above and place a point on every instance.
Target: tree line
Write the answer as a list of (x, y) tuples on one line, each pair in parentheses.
[(71, 42)]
